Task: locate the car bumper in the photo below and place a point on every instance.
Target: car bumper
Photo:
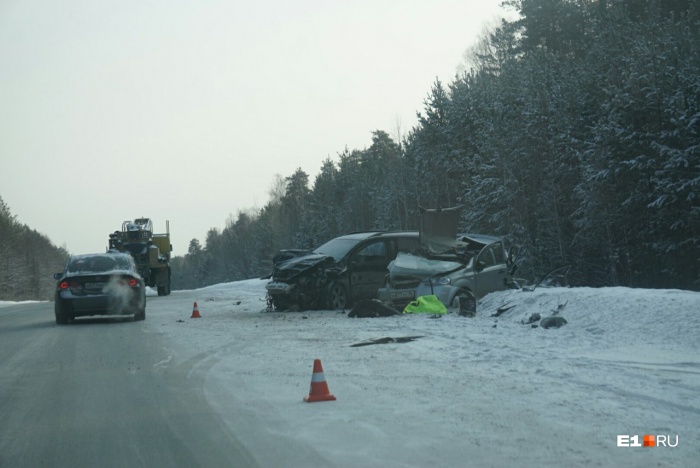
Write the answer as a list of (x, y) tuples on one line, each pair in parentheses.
[(276, 288), (82, 305)]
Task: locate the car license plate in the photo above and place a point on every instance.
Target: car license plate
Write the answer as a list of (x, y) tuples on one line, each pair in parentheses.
[(402, 295), (94, 285)]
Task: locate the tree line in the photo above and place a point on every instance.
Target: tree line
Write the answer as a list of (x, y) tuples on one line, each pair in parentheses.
[(573, 131), (28, 260)]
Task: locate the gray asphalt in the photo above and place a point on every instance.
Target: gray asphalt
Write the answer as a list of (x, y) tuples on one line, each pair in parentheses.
[(92, 393)]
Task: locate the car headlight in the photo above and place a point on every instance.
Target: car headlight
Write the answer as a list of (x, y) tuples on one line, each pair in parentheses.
[(435, 281)]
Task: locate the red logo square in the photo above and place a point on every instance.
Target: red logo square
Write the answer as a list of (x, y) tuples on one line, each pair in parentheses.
[(649, 441)]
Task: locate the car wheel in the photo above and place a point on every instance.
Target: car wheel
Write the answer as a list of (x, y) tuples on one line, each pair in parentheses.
[(61, 316), (467, 306), (140, 314), (455, 300), (281, 304), (337, 298)]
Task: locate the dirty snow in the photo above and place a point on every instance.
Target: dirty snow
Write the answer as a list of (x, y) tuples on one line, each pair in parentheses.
[(482, 391), (11, 303)]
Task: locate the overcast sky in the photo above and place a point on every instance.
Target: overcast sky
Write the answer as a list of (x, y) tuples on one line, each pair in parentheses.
[(186, 110)]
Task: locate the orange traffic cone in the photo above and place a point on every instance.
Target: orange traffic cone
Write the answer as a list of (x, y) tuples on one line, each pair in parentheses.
[(195, 311), (319, 387)]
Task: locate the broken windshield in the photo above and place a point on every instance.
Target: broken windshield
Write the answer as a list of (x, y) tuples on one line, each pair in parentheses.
[(337, 248)]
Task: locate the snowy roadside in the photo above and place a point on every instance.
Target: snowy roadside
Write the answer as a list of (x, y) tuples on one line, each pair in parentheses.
[(485, 391), (11, 303)]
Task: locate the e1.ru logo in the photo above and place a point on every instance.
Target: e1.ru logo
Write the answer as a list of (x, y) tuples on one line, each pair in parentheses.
[(648, 441)]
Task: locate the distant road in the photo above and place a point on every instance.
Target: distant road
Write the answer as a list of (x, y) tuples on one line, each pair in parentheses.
[(94, 393)]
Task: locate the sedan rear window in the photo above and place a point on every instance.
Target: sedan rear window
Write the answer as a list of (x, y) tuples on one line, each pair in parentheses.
[(98, 263)]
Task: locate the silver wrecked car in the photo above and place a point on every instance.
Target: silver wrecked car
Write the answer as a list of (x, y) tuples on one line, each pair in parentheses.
[(448, 265)]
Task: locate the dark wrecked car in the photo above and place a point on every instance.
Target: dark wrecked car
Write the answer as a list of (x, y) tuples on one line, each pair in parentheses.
[(448, 265), (337, 274)]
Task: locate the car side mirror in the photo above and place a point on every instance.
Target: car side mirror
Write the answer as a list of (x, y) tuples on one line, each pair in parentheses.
[(57, 276), (480, 265)]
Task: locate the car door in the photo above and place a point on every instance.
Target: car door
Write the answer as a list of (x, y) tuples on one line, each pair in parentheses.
[(367, 267), (490, 269)]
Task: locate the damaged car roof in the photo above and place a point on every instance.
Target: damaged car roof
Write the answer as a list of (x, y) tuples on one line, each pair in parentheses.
[(438, 229)]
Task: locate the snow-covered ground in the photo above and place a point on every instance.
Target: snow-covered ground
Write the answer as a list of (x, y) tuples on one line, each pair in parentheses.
[(482, 391), (9, 303)]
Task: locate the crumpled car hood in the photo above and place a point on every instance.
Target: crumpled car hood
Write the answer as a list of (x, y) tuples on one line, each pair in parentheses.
[(407, 264), (288, 269)]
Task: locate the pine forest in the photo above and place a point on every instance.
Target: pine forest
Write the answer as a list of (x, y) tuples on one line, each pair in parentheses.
[(572, 132)]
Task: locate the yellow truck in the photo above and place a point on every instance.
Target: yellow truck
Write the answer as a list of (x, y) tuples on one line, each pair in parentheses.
[(150, 251)]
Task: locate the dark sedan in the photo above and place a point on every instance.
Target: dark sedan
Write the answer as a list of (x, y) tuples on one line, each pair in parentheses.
[(99, 284)]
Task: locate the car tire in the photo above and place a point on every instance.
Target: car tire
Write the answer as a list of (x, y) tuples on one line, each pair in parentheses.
[(284, 304), (468, 310), (61, 316), (336, 297), (140, 314)]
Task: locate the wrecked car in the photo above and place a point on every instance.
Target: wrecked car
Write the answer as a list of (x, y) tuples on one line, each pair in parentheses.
[(448, 265), (337, 274)]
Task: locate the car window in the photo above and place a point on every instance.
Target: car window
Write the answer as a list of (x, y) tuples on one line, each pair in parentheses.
[(100, 263), (124, 263), (499, 254), (92, 264), (492, 255), (486, 257), (374, 252)]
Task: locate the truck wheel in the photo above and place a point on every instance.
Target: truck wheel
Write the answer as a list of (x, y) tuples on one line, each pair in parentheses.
[(164, 290), (337, 297)]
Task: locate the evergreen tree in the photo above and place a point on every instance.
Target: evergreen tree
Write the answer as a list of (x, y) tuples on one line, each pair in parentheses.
[(572, 131), (28, 260)]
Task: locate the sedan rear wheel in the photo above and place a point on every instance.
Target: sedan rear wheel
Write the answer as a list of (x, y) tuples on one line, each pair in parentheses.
[(337, 298), (140, 311), (140, 314), (61, 316)]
